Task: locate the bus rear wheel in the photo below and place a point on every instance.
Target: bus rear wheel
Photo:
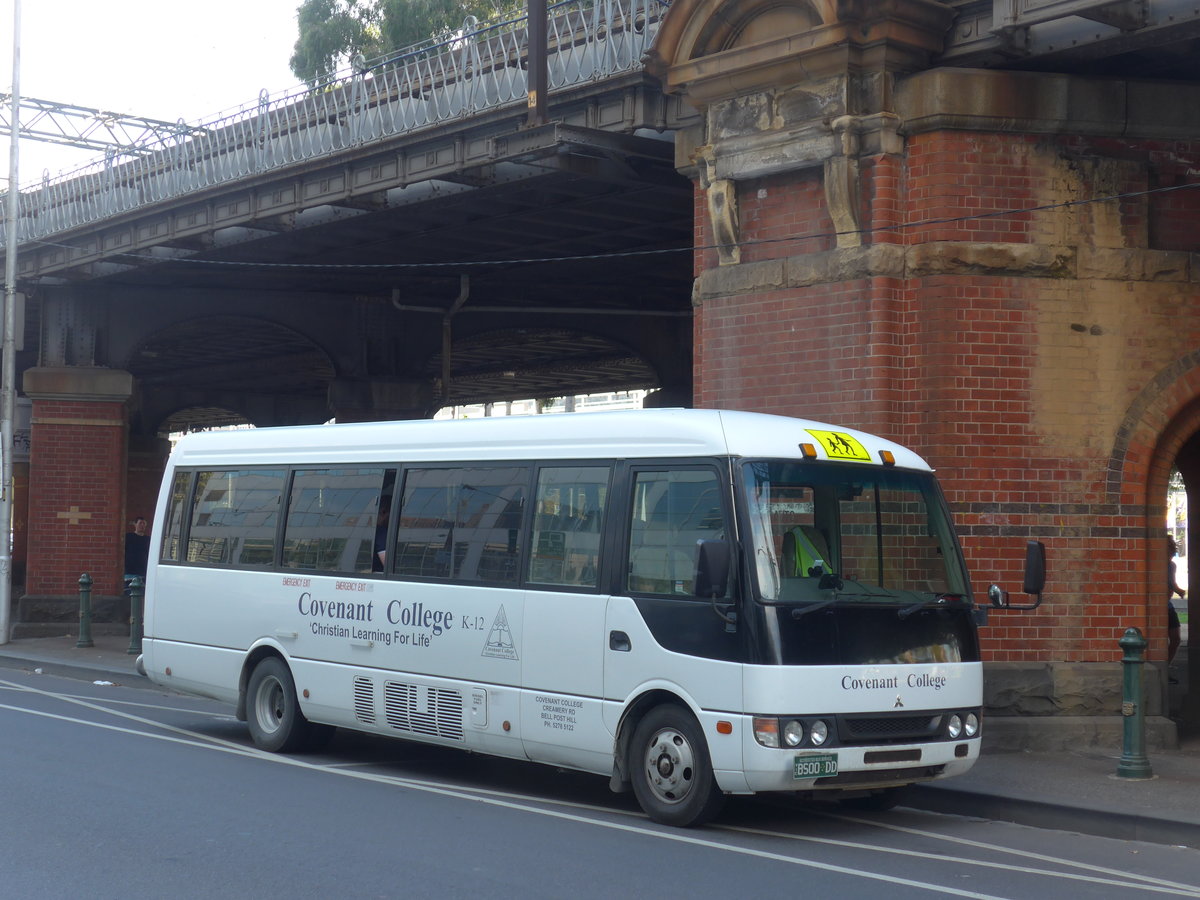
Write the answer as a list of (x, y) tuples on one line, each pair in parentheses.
[(671, 772), (273, 712)]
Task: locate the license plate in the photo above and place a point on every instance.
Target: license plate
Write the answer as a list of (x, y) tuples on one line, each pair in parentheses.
[(814, 765)]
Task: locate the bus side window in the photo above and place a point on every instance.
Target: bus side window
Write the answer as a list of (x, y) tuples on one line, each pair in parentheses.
[(463, 524), (568, 517), (332, 519), (671, 512), (234, 518), (172, 536)]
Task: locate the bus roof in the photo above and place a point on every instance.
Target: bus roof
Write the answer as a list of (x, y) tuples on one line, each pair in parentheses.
[(588, 435)]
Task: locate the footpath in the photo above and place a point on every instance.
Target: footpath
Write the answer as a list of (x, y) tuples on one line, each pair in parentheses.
[(1069, 791)]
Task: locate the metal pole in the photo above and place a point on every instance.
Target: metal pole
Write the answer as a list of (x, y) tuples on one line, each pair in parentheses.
[(7, 381), (538, 75), (1133, 763), (85, 612), (137, 591)]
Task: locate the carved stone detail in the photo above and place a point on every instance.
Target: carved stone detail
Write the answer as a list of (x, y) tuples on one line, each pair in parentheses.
[(721, 194)]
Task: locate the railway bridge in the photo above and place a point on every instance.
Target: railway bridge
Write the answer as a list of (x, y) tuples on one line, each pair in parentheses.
[(969, 225)]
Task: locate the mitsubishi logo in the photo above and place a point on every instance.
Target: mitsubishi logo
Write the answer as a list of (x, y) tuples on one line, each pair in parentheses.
[(899, 703)]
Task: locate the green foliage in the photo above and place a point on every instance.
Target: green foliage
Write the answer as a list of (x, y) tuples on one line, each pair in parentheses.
[(331, 32)]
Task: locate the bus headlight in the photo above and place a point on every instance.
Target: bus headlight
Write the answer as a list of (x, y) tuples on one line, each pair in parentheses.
[(818, 733), (954, 727), (971, 727), (766, 731), (793, 733)]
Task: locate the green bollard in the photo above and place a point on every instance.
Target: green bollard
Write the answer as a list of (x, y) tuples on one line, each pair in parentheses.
[(137, 590), (1134, 763), (85, 611)]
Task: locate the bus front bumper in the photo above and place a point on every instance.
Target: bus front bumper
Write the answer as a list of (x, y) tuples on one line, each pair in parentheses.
[(769, 769)]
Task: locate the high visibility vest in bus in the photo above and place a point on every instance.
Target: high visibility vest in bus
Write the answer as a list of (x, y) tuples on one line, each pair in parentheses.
[(809, 551)]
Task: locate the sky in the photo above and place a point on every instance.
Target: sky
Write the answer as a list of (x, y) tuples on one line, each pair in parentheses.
[(159, 59)]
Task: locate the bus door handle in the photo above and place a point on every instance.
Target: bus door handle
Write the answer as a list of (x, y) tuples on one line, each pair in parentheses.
[(619, 640)]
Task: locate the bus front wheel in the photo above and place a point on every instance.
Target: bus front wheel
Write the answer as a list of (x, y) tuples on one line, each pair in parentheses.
[(671, 773), (274, 716)]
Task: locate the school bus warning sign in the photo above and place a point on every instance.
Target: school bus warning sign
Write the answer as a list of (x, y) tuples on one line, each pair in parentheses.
[(839, 445)]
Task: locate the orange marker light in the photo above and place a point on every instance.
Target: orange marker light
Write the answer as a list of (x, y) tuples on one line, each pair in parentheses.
[(809, 451), (887, 457), (724, 727)]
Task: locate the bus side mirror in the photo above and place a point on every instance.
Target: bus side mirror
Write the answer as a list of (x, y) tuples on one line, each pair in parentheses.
[(1033, 583), (712, 569), (1035, 569)]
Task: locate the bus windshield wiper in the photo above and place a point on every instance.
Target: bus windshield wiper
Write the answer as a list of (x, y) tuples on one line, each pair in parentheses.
[(799, 611), (928, 601)]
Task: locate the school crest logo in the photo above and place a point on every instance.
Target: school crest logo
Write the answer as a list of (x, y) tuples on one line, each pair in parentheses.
[(499, 641)]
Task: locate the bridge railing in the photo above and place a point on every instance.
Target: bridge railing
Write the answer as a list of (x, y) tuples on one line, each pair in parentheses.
[(435, 82)]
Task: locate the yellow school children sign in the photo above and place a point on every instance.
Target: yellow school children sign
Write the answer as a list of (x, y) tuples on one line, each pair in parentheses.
[(839, 445)]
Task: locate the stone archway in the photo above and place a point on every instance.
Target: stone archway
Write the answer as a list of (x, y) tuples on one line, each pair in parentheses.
[(223, 370), (1177, 447)]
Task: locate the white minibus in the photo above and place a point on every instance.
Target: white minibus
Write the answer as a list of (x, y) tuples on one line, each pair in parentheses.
[(693, 603)]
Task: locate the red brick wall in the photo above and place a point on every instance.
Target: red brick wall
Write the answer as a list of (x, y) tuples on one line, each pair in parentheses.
[(147, 461), (1043, 381), (76, 497)]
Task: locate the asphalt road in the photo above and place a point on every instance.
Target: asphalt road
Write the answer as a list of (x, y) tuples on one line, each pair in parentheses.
[(114, 792)]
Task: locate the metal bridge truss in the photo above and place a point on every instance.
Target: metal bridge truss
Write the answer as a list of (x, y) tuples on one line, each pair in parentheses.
[(475, 70), (87, 128)]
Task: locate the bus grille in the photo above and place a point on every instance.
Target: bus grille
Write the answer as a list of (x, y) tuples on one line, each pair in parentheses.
[(417, 709), (364, 700), (888, 729)]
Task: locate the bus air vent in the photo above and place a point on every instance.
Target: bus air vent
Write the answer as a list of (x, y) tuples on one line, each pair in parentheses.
[(417, 709), (364, 700)]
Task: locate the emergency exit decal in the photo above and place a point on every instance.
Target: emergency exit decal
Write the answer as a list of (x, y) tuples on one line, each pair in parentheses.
[(839, 445)]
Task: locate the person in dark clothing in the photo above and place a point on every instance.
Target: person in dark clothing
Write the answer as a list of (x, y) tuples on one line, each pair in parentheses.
[(137, 550)]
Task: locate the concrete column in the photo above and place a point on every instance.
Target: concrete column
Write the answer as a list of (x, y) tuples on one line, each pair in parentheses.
[(77, 480)]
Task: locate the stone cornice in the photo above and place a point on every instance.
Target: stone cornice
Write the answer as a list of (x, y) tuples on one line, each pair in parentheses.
[(1041, 103), (89, 383), (944, 258)]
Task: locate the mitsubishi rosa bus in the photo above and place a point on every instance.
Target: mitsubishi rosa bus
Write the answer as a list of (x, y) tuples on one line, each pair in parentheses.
[(692, 603)]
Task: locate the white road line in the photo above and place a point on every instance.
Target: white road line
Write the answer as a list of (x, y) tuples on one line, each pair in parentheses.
[(524, 803), (1122, 879), (1028, 854)]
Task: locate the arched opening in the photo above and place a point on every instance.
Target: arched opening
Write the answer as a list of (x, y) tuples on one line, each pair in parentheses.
[(1173, 488), (1183, 684), (227, 370), (537, 363), (200, 418)]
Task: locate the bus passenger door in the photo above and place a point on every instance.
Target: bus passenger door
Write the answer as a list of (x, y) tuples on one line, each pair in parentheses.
[(562, 650), (659, 634)]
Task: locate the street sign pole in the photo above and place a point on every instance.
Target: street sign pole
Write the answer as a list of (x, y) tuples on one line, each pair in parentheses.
[(8, 396)]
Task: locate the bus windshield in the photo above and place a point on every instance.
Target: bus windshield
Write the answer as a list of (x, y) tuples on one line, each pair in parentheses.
[(832, 533)]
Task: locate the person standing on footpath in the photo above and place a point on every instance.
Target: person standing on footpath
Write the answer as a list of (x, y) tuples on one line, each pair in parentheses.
[(1173, 590), (137, 551)]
